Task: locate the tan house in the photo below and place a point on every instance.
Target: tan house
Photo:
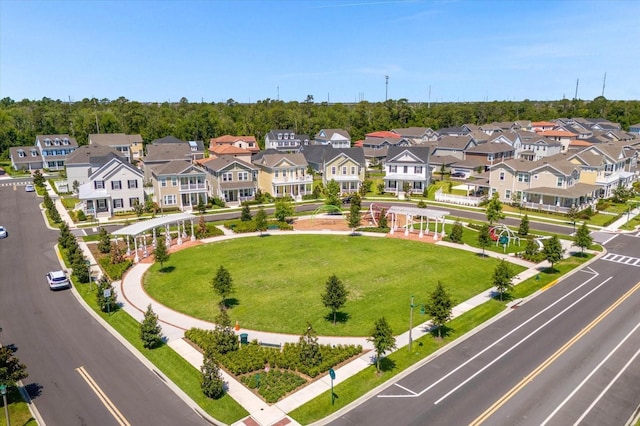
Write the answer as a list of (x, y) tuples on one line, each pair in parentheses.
[(245, 142), (130, 146), (231, 179), (179, 185), (283, 174), (552, 184)]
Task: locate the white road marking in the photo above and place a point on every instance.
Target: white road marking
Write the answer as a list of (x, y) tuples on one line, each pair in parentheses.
[(615, 235)]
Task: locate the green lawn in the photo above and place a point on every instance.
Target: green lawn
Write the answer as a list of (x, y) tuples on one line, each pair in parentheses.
[(19, 413), (279, 280)]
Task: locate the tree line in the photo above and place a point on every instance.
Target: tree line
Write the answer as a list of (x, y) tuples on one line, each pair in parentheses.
[(21, 121)]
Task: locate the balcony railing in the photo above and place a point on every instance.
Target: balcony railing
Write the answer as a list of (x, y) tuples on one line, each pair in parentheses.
[(193, 186), (293, 179)]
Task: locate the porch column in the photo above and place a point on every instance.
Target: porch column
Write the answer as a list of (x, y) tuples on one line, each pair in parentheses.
[(193, 234), (427, 230), (443, 222), (421, 234), (168, 236), (128, 246), (406, 225), (180, 232), (435, 233), (155, 239), (145, 253), (184, 230), (136, 259), (393, 218)]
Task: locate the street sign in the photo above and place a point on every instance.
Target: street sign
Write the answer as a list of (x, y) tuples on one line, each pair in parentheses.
[(107, 292), (332, 374)]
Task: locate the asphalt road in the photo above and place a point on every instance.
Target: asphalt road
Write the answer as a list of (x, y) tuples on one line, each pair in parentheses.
[(58, 340), (552, 360)]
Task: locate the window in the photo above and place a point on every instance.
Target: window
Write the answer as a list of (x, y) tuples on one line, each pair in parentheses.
[(21, 154), (393, 169), (133, 202), (560, 182), (417, 170), (174, 181), (243, 176), (98, 184), (116, 184), (507, 194), (132, 183), (353, 170), (228, 177), (333, 170), (501, 175), (405, 169), (34, 153), (170, 200), (163, 182), (523, 177), (117, 203), (344, 170)]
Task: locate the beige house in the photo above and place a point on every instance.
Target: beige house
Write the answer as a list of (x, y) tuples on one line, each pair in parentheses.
[(179, 185), (130, 146), (283, 174), (552, 184), (231, 179)]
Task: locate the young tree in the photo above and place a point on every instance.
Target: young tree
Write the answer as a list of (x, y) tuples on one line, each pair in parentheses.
[(161, 253), (65, 236), (484, 238), (201, 207), (222, 284), (11, 370), (261, 220), (318, 190), (104, 242), (382, 339), (502, 277), (583, 238), (224, 339), (552, 250), (406, 188), (523, 230), (150, 330), (212, 384), (382, 221), (494, 209), (335, 295), (531, 248), (245, 216), (439, 307), (572, 215), (354, 213), (310, 354), (380, 188), (38, 179), (284, 209), (456, 232), (116, 254), (365, 188), (106, 303), (332, 194), (443, 170), (138, 208), (202, 230), (80, 266)]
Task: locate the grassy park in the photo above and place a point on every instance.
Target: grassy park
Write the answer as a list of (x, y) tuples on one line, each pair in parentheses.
[(278, 280)]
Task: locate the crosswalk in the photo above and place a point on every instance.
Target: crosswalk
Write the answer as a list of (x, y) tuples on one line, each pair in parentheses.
[(14, 183), (619, 258)]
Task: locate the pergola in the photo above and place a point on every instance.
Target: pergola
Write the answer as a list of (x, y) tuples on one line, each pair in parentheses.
[(138, 231), (410, 213)]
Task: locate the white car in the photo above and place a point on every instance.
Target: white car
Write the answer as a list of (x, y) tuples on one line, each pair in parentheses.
[(29, 188), (58, 280), (3, 232)]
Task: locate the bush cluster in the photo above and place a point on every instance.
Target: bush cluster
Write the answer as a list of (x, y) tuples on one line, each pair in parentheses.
[(273, 385)]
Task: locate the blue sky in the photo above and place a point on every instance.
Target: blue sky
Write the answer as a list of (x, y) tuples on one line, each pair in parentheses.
[(333, 50)]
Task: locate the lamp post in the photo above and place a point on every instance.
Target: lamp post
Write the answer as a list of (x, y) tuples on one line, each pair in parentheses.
[(422, 310), (3, 391)]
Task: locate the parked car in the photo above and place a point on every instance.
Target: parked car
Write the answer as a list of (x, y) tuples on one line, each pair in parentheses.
[(346, 199), (58, 280), (458, 175), (3, 232), (29, 188)]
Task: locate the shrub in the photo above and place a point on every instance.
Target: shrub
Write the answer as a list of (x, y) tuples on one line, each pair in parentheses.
[(81, 216)]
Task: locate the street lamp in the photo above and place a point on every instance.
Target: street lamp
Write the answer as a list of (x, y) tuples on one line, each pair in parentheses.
[(422, 310), (3, 391)]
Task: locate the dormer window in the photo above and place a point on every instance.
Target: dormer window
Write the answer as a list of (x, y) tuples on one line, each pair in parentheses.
[(279, 136), (292, 136), (20, 153), (286, 135), (56, 142), (34, 153), (47, 142), (65, 141)]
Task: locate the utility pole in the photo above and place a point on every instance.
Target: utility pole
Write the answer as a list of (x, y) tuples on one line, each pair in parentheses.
[(576, 95), (429, 103), (386, 88), (278, 88), (604, 82)]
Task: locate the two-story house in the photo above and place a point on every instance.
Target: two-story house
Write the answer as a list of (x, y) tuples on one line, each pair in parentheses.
[(346, 166), (84, 161), (179, 184), (376, 146), (163, 153), (247, 143), (337, 138), (535, 147), (231, 179), (551, 184), (129, 145), (114, 187), (454, 146), (285, 140), (417, 134), (55, 149), (607, 165), (407, 164), (283, 174)]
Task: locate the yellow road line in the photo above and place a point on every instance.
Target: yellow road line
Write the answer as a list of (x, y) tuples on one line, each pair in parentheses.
[(551, 284), (529, 378), (103, 397)]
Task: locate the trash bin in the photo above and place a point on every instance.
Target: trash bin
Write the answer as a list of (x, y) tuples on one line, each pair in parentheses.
[(244, 338)]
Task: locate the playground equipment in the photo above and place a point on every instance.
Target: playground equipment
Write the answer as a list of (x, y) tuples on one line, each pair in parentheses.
[(502, 235), (374, 212)]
